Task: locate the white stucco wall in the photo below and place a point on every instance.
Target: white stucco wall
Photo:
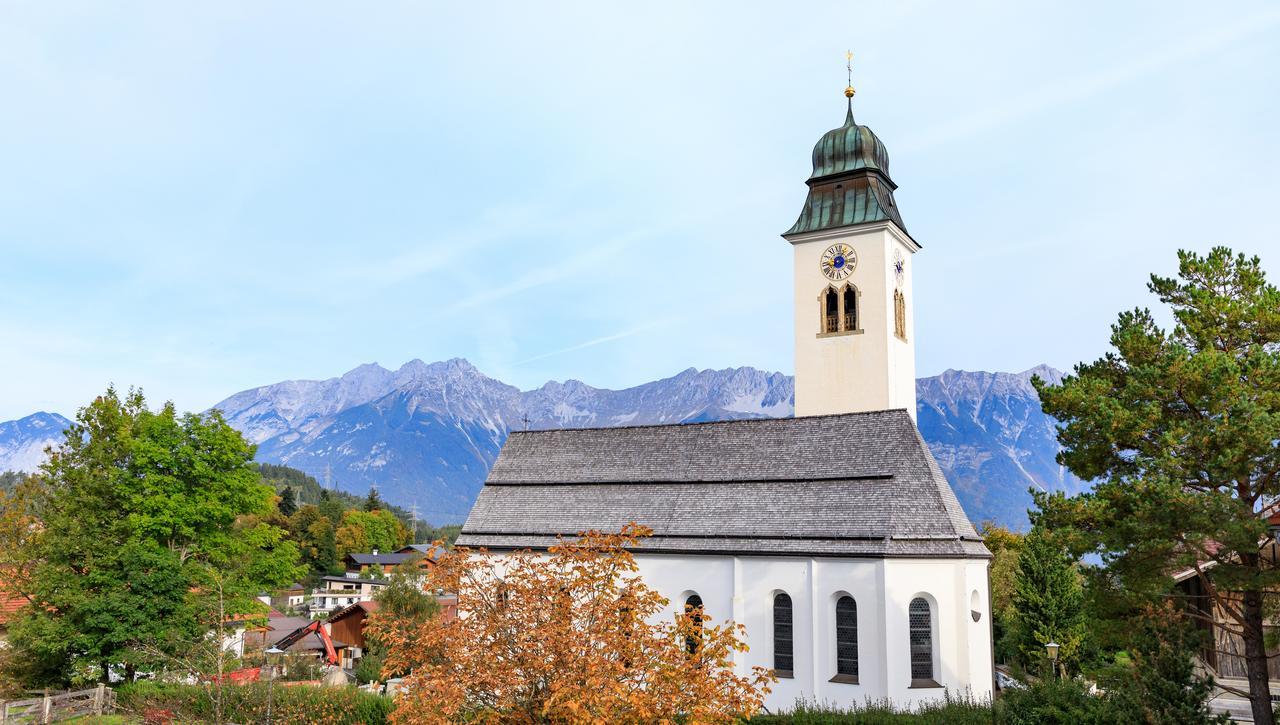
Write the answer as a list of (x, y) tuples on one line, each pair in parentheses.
[(742, 589), (870, 370)]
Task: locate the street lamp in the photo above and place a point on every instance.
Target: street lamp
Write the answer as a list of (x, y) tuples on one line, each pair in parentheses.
[(1052, 649), (272, 654)]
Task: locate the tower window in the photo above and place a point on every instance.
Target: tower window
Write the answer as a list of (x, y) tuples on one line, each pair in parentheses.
[(783, 660), (831, 311), (850, 308), (846, 640), (900, 314)]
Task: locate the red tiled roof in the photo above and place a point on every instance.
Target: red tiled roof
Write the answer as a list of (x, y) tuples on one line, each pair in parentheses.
[(10, 602), (9, 605)]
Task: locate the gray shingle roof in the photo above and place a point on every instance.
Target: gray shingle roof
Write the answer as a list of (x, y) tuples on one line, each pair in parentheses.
[(861, 485)]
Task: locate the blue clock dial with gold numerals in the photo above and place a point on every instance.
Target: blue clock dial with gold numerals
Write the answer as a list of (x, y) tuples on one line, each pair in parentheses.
[(838, 261)]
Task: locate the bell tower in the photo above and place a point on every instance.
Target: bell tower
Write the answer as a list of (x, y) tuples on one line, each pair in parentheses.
[(854, 344)]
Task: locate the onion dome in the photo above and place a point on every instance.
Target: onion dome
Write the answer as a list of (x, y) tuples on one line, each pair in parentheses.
[(850, 183)]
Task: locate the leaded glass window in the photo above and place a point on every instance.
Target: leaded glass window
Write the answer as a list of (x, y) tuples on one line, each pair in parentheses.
[(693, 610), (846, 637), (921, 622), (783, 659)]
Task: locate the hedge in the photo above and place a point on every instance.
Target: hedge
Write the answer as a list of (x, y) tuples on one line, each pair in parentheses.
[(155, 702)]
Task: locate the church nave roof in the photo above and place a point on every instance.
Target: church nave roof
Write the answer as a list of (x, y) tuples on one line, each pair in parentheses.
[(854, 485)]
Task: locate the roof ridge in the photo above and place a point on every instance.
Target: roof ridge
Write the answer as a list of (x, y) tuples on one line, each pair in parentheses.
[(693, 424)]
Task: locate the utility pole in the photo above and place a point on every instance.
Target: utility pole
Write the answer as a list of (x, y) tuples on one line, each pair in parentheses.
[(415, 520)]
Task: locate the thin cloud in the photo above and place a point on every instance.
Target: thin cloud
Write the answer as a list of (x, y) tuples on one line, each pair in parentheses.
[(1057, 94), (564, 269), (598, 341)]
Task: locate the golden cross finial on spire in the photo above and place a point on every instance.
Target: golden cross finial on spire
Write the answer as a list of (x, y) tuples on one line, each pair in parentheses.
[(848, 65)]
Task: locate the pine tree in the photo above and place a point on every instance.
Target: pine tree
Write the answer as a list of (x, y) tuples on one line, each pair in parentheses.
[(1164, 685), (373, 502), (332, 508), (288, 503), (1048, 601), (1178, 427)]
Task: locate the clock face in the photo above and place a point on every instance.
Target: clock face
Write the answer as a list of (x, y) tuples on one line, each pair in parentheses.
[(899, 265), (838, 261)]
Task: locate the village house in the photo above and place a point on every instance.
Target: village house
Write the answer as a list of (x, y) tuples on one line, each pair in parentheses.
[(348, 625), (1222, 656), (377, 564), (336, 592)]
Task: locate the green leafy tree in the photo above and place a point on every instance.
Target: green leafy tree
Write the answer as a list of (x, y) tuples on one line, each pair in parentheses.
[(1179, 427), (403, 602), (139, 512), (314, 533), (1048, 602), (288, 504), (369, 530)]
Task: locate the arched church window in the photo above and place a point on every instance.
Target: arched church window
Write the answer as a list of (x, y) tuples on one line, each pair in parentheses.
[(831, 311), (921, 633), (900, 314), (627, 620), (846, 640), (783, 659), (693, 611), (850, 308)]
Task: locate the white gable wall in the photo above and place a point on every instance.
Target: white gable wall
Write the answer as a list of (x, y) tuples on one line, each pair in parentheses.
[(742, 589)]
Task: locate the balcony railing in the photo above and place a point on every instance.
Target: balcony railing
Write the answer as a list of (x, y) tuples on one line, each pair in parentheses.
[(833, 323)]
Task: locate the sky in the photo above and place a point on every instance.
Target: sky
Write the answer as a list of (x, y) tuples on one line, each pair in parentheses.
[(202, 198)]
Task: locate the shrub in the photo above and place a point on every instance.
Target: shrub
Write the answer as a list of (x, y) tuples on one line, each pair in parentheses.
[(248, 703), (1052, 702)]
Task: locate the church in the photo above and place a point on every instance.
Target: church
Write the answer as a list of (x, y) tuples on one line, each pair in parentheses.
[(833, 536)]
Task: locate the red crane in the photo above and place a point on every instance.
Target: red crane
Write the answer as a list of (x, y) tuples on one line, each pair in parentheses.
[(316, 628)]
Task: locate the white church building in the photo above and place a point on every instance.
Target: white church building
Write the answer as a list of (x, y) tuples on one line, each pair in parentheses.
[(832, 536)]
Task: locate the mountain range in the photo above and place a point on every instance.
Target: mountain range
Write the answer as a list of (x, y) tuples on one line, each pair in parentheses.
[(426, 434), (22, 441)]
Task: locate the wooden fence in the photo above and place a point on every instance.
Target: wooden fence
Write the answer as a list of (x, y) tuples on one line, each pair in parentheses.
[(55, 708)]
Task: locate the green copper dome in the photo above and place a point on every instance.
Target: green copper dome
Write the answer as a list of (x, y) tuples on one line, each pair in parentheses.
[(849, 148), (850, 183)]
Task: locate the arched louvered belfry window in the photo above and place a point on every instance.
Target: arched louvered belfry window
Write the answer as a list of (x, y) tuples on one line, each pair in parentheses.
[(850, 295), (693, 610), (783, 643), (846, 640), (831, 311), (921, 633), (899, 314)]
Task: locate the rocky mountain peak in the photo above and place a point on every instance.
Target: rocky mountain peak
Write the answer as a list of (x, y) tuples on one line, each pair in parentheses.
[(23, 441)]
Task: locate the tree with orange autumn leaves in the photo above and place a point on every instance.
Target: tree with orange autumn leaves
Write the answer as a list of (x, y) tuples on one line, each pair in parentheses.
[(571, 635)]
